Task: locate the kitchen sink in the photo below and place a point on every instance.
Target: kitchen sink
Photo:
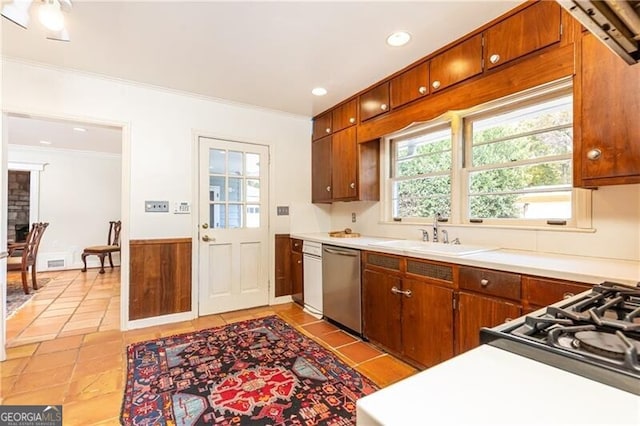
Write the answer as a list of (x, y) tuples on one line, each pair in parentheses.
[(434, 248)]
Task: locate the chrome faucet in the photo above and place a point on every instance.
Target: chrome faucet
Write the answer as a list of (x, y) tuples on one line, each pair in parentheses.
[(425, 234), (435, 227), (445, 236)]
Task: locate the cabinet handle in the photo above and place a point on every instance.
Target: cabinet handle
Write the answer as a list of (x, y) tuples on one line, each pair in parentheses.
[(436, 84), (352, 185), (328, 130), (594, 154), (396, 290), (383, 107), (422, 90), (567, 295), (484, 282), (352, 120), (328, 189), (494, 59)]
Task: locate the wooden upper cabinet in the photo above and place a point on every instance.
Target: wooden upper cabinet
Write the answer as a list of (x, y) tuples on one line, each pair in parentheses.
[(322, 125), (531, 29), (344, 156), (321, 170), (410, 85), (345, 115), (374, 101), (456, 64), (608, 150)]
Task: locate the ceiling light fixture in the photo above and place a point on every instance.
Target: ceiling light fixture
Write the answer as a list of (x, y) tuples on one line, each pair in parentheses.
[(50, 13), (45, 142), (319, 91), (79, 129), (399, 38)]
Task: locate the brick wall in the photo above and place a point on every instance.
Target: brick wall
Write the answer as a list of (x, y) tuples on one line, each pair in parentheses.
[(18, 201)]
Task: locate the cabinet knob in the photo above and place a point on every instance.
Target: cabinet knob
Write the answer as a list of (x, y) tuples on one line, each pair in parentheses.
[(484, 282), (352, 120), (328, 189), (494, 59), (299, 262), (435, 84), (328, 130), (567, 295), (594, 154), (383, 107), (352, 185), (507, 319), (422, 90)]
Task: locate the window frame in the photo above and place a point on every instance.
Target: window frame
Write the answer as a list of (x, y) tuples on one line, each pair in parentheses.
[(581, 208)]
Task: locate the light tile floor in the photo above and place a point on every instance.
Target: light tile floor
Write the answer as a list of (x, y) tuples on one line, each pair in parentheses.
[(65, 346)]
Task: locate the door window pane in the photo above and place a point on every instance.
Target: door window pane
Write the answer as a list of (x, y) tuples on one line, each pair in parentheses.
[(235, 189), (217, 160), (253, 165), (217, 216), (253, 191), (235, 163), (253, 216), (216, 188), (235, 216)]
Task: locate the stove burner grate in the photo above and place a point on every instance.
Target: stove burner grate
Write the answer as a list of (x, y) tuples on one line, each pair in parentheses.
[(603, 344)]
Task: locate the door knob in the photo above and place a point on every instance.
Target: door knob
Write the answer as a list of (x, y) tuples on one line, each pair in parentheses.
[(207, 239), (205, 225)]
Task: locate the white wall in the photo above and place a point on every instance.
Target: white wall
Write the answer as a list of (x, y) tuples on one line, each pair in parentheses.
[(79, 194), (616, 220)]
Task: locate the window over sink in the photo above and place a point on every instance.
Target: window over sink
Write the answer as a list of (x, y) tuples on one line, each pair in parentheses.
[(508, 162)]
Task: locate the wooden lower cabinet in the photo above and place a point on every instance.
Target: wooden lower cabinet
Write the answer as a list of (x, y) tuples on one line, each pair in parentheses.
[(427, 323), (410, 318), (381, 309), (475, 312), (282, 265)]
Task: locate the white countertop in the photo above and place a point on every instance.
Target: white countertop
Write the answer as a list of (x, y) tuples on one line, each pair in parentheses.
[(590, 270), (488, 385)]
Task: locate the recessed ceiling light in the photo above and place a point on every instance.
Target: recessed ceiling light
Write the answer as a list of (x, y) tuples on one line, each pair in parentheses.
[(45, 142), (79, 129), (319, 91), (399, 38)]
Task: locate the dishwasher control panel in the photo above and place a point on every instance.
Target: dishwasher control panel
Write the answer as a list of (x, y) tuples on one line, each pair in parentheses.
[(312, 248)]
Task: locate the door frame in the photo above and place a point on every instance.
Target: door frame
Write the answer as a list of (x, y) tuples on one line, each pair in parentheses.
[(125, 207)]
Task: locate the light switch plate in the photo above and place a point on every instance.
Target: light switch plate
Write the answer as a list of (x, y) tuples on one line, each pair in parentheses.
[(282, 210), (156, 206)]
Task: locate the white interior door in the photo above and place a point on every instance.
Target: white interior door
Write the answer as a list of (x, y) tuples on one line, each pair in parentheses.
[(233, 222)]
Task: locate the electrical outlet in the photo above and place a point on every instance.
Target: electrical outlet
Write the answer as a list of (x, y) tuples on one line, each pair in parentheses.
[(282, 210), (353, 217), (156, 206)]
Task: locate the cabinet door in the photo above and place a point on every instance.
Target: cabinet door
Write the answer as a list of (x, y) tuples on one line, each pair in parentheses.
[(410, 85), (297, 293), (610, 146), (456, 64), (322, 125), (345, 115), (344, 164), (476, 312), (381, 309), (283, 265), (427, 322), (531, 29), (374, 102), (321, 170)]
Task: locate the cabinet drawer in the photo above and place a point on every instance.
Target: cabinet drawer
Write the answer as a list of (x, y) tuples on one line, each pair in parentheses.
[(544, 291), (500, 284), (296, 245)]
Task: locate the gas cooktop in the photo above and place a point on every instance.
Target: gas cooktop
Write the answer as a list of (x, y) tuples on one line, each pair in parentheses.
[(595, 334)]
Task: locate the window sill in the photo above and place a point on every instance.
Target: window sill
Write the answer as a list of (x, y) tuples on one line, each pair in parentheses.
[(551, 228)]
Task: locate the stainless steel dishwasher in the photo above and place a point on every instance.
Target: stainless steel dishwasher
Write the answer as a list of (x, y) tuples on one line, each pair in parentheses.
[(341, 295)]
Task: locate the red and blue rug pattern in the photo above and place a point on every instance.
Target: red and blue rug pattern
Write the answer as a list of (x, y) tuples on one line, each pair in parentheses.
[(256, 372)]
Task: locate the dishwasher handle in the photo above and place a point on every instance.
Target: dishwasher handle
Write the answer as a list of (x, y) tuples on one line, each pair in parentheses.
[(341, 252)]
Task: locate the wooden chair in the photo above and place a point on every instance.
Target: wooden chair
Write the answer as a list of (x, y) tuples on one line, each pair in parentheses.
[(29, 255), (113, 246)]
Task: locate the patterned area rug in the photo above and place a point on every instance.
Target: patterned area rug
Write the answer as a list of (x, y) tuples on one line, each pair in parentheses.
[(15, 294), (256, 372)]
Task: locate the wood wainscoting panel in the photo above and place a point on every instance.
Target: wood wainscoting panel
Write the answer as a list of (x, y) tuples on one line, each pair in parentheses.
[(160, 277)]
